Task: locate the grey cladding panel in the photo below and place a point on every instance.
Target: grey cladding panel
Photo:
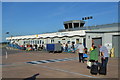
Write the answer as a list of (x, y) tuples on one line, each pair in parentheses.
[(116, 45)]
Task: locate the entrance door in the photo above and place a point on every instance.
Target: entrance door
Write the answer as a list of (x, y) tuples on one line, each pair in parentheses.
[(116, 45), (97, 41)]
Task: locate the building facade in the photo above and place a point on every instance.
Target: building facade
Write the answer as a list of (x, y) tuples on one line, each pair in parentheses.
[(75, 31)]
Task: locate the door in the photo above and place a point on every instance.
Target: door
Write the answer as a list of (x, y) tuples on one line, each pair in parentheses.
[(97, 41), (116, 45)]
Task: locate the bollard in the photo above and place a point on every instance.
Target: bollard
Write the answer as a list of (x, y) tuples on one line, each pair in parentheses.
[(6, 55)]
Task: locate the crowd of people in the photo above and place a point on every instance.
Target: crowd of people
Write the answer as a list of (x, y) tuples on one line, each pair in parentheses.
[(33, 47), (93, 61), (68, 47), (91, 56)]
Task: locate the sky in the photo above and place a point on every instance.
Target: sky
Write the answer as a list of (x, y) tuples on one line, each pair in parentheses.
[(29, 18)]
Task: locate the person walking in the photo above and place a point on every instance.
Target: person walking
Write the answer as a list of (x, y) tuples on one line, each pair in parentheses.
[(80, 49), (94, 60), (73, 47), (104, 59)]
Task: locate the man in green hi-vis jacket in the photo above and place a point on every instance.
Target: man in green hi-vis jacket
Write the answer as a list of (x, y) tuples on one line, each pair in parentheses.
[(94, 55)]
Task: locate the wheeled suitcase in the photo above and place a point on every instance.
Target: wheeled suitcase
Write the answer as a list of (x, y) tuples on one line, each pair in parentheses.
[(102, 70), (94, 69)]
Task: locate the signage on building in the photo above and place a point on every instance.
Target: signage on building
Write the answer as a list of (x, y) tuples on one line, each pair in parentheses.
[(37, 35)]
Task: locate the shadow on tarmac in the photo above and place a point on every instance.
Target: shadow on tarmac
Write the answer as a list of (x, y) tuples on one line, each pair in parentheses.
[(33, 77)]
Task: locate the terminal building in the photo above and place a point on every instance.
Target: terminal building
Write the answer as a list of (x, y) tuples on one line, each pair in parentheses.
[(75, 31)]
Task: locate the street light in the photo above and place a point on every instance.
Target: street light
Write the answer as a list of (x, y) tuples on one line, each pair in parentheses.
[(6, 47), (87, 18), (7, 33)]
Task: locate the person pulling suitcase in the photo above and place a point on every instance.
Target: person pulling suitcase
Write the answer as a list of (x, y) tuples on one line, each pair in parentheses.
[(104, 60), (94, 59)]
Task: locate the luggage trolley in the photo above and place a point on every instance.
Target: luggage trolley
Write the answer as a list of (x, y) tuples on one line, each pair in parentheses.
[(54, 47)]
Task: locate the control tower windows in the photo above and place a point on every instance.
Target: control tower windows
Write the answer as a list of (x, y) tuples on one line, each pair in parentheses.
[(66, 26), (70, 25), (82, 24), (73, 24), (76, 25)]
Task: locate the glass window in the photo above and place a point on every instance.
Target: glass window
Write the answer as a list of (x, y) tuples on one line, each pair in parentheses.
[(59, 42), (23, 42), (52, 41), (35, 41), (68, 42), (40, 41)]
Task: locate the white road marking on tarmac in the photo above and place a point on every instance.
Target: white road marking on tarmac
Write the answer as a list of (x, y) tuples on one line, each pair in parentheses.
[(45, 61), (51, 60), (66, 71), (72, 72), (36, 62)]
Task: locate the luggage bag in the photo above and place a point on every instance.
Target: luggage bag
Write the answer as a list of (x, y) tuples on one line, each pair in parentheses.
[(94, 69), (89, 64), (102, 70)]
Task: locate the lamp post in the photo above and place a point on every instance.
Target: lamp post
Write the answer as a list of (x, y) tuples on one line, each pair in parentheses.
[(87, 18), (7, 33), (6, 47)]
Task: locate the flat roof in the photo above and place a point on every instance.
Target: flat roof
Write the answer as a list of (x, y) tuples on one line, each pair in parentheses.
[(92, 27), (74, 21)]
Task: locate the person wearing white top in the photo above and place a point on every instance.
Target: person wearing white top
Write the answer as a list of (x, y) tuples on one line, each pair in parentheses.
[(80, 49), (104, 55), (104, 59)]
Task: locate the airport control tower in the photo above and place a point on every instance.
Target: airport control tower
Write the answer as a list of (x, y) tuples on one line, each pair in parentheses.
[(73, 24)]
